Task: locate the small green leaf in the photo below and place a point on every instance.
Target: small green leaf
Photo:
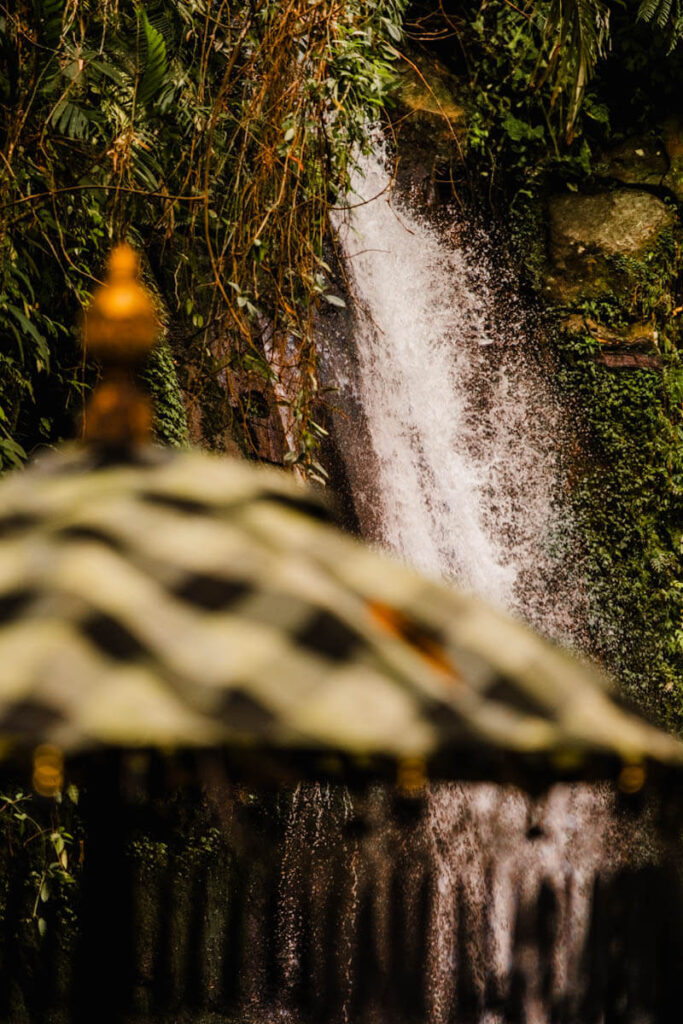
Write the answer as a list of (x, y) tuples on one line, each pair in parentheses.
[(334, 300), (393, 29)]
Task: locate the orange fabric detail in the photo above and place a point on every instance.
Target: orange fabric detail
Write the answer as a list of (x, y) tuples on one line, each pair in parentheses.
[(397, 623)]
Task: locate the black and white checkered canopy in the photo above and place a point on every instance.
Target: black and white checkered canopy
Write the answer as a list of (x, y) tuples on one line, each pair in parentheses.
[(181, 600)]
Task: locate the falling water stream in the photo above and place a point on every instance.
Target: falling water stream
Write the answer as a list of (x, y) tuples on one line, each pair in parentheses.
[(465, 469), (452, 443)]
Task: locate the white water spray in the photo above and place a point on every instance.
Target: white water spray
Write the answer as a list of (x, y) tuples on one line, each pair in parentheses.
[(452, 449), (465, 437), (460, 426)]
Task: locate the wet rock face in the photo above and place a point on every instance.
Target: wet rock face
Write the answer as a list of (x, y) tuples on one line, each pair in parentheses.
[(655, 161), (640, 160), (592, 236), (673, 140), (430, 131)]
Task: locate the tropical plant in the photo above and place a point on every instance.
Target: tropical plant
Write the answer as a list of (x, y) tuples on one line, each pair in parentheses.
[(667, 14), (213, 135), (575, 34), (40, 837)]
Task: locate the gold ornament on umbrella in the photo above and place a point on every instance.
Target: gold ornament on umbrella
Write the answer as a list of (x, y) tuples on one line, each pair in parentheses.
[(121, 327)]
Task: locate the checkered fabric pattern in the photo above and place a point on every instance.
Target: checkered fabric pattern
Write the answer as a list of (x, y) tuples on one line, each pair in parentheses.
[(184, 600)]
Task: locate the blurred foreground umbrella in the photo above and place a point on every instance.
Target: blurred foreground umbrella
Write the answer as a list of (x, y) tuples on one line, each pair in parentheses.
[(165, 599), (180, 600), (170, 601)]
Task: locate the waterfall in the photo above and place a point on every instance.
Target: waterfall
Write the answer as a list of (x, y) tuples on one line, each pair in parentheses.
[(443, 394), (482, 911), (456, 462), (452, 442)]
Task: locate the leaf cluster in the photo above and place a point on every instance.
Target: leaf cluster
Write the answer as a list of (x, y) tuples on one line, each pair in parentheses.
[(667, 14), (39, 838), (212, 135)]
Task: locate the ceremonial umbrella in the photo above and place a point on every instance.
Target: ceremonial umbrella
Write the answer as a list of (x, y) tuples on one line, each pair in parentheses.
[(174, 600), (179, 600)]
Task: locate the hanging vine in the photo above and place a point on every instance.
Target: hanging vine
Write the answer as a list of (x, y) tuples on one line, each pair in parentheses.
[(214, 135)]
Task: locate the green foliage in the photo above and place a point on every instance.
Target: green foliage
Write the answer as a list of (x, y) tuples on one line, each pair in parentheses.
[(628, 502), (161, 379), (44, 844), (523, 97), (153, 68), (575, 36), (648, 282), (212, 138), (667, 14), (543, 81)]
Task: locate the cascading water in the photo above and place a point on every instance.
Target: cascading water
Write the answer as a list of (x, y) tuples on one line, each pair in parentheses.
[(461, 436), (479, 904), (465, 469)]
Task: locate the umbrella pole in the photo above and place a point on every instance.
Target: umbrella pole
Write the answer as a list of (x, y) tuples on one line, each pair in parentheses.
[(105, 970)]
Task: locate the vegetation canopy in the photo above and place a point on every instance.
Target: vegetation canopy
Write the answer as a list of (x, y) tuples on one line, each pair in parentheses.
[(214, 135)]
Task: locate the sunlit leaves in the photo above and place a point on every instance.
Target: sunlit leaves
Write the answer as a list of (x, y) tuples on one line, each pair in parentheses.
[(216, 143), (154, 64)]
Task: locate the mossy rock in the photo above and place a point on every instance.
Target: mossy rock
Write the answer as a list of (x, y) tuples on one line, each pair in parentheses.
[(431, 92), (618, 243), (673, 140), (431, 125), (638, 160)]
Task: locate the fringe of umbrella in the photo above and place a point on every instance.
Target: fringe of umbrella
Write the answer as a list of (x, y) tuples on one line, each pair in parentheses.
[(340, 937)]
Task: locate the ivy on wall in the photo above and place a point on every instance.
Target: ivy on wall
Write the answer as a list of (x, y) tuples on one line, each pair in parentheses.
[(626, 476), (628, 501)]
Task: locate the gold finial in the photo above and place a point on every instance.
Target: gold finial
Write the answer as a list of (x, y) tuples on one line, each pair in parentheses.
[(121, 325), (632, 777), (120, 329)]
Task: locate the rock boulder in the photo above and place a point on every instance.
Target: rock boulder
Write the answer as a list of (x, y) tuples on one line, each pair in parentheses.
[(598, 242), (639, 160)]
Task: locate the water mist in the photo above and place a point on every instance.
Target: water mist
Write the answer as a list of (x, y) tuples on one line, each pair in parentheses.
[(453, 457)]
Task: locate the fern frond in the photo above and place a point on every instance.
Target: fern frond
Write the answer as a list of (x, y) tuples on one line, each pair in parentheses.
[(651, 10), (647, 10), (664, 12), (667, 14), (155, 63)]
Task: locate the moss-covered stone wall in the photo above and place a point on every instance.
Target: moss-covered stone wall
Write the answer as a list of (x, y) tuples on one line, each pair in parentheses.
[(609, 284), (594, 226)]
